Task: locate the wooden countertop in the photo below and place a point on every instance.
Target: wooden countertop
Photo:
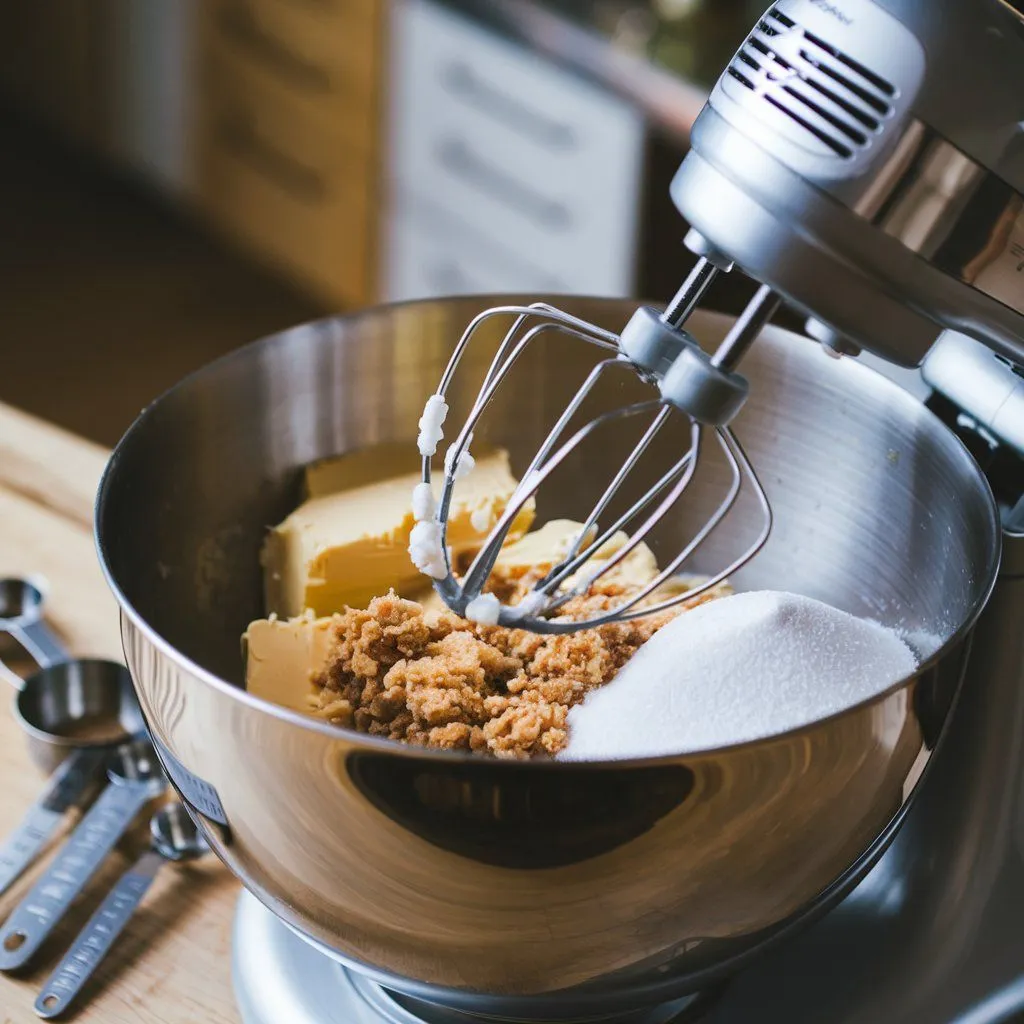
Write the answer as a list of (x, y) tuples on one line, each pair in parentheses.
[(172, 964)]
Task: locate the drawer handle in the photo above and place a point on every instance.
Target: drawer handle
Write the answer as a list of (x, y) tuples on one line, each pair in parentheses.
[(239, 22), (459, 79), (317, 5), (455, 156), (241, 137)]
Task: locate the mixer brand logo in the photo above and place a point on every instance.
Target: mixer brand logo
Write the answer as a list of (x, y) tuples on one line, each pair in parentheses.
[(836, 12)]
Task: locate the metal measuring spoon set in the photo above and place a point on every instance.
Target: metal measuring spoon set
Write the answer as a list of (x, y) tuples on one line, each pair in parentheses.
[(174, 837), (81, 716)]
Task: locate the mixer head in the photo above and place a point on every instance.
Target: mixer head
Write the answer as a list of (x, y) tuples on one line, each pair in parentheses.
[(866, 159), (863, 161)]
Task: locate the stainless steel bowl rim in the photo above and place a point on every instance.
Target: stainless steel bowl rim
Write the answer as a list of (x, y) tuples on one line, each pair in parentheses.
[(878, 381)]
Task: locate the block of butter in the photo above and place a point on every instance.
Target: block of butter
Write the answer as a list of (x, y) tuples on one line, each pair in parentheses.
[(281, 657), (347, 543), (548, 545)]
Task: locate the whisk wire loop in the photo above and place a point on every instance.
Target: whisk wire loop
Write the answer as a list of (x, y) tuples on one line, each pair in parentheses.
[(501, 365), (681, 474), (569, 578), (483, 563), (624, 470)]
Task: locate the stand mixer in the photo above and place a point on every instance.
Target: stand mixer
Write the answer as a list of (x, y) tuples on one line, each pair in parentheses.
[(864, 162), (831, 164)]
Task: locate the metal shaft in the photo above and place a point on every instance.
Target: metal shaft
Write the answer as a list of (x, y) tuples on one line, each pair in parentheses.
[(752, 320), (684, 302)]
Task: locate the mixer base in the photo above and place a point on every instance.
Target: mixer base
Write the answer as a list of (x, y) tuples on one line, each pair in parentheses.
[(278, 976)]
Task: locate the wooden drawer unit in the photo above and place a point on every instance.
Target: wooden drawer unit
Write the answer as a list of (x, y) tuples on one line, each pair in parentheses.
[(326, 53), (343, 21), (294, 189)]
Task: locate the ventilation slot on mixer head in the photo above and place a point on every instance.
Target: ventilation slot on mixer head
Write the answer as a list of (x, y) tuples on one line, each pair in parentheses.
[(822, 90)]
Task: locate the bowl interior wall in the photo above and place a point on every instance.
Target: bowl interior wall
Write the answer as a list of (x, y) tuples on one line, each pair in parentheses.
[(877, 508)]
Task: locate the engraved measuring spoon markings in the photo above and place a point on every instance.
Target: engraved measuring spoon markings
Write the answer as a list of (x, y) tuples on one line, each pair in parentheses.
[(135, 779), (174, 837)]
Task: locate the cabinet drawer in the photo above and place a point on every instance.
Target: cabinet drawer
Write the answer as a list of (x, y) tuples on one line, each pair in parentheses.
[(428, 267), (339, 20), (294, 192), (353, 115), (547, 162), (328, 64), (434, 251)]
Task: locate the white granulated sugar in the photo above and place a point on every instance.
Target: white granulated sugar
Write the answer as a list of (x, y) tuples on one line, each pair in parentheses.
[(484, 609), (480, 518), (425, 550), (434, 413), (465, 465), (922, 642), (740, 668), (424, 507)]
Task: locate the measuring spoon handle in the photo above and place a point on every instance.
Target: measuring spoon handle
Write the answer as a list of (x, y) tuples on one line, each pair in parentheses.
[(87, 847), (65, 789), (39, 640), (95, 939)]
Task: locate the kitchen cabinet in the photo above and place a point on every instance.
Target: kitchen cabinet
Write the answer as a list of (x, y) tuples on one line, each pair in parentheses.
[(368, 149), (286, 135), (504, 171)]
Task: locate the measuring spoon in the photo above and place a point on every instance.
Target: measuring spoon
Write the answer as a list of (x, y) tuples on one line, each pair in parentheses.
[(21, 616), (67, 787), (135, 779), (174, 837), (70, 702), (72, 711)]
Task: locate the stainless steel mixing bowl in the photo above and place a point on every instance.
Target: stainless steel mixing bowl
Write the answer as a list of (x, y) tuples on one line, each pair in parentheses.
[(525, 889)]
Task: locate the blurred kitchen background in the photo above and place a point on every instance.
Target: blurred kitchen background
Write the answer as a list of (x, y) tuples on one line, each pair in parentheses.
[(179, 177)]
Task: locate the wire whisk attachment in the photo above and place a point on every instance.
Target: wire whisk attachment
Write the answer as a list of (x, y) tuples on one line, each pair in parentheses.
[(699, 394)]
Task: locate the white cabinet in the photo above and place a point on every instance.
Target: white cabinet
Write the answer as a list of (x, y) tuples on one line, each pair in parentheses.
[(505, 173), (433, 252)]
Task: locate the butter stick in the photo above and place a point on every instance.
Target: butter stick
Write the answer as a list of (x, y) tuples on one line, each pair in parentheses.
[(549, 544), (346, 545), (283, 655)]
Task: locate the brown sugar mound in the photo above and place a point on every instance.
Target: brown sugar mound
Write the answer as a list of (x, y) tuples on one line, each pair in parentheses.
[(431, 678)]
